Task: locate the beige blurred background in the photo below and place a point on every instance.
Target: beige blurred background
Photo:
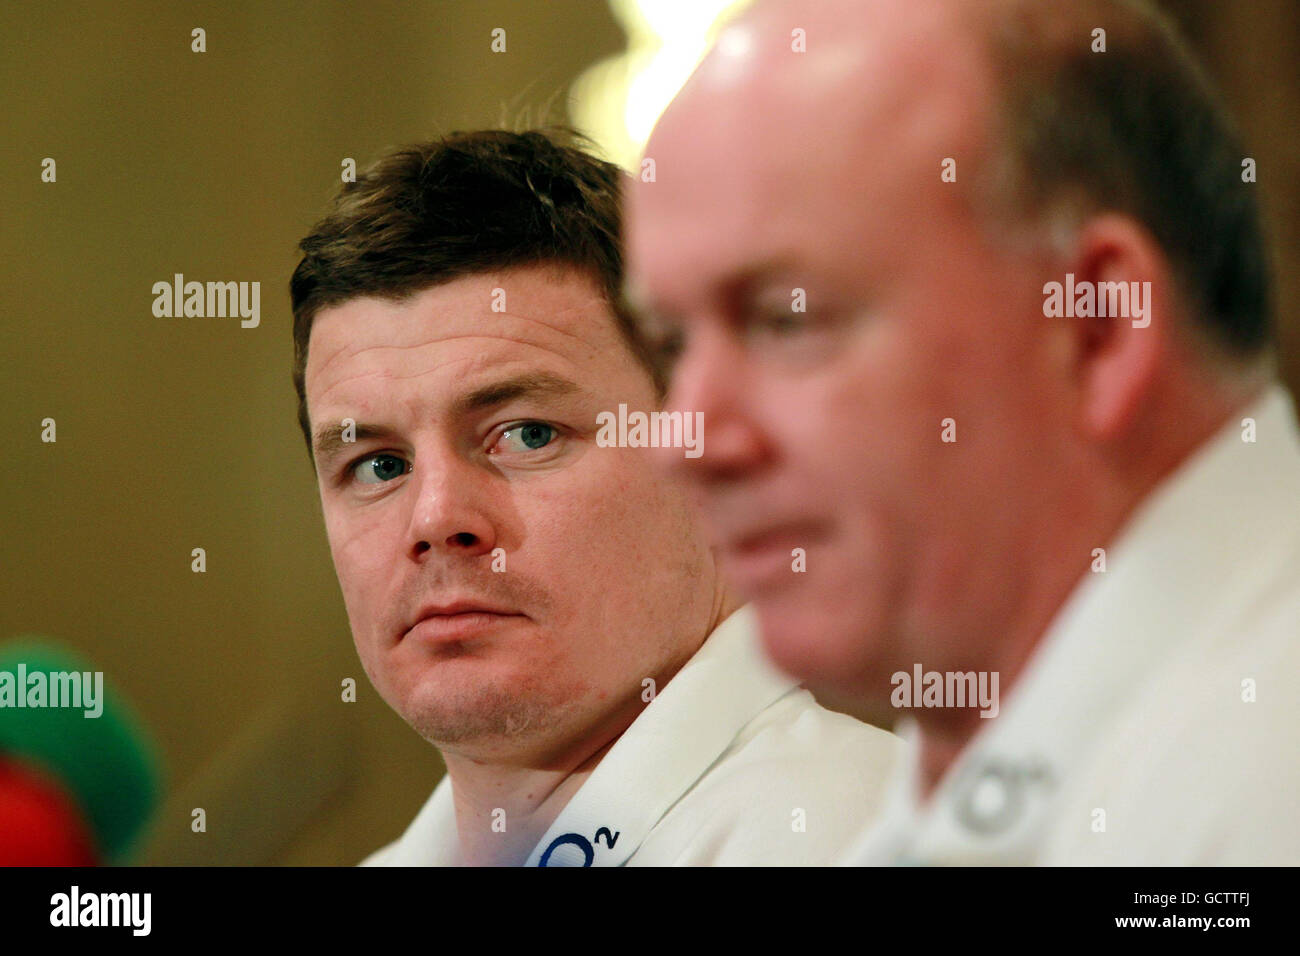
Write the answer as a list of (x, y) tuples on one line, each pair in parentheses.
[(180, 433)]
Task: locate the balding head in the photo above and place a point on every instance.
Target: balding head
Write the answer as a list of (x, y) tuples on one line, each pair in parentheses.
[(852, 248), (760, 131), (1051, 128)]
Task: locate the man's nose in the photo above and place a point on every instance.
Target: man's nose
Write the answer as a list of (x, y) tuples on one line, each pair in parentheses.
[(712, 376), (450, 514)]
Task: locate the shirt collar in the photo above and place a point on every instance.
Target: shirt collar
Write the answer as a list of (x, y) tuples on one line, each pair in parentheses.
[(670, 745), (994, 803), (431, 838)]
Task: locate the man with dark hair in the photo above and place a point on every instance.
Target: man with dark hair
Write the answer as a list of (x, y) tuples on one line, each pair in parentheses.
[(974, 300), (527, 595)]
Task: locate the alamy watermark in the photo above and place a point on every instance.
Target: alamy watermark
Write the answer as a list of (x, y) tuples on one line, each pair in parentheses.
[(208, 300), (1086, 300), (637, 429), (923, 688), (82, 690), (129, 910)]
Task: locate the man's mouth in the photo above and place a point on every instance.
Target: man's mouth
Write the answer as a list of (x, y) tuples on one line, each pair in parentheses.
[(459, 620), (764, 558)]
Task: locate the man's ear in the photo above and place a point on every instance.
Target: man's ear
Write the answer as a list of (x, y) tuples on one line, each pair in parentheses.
[(1119, 266)]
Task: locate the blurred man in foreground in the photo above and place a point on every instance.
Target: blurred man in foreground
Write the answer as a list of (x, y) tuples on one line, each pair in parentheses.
[(974, 300), (522, 589)]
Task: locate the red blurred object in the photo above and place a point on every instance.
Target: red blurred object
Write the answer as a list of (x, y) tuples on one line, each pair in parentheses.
[(40, 825)]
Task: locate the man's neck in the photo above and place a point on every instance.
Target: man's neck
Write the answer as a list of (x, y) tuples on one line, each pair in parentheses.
[(944, 735), (503, 809)]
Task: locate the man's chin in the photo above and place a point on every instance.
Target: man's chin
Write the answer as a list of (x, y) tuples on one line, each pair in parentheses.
[(481, 725), (478, 714), (825, 652)]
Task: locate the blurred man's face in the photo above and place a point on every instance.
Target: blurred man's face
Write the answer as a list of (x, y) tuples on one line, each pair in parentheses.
[(560, 574), (779, 172)]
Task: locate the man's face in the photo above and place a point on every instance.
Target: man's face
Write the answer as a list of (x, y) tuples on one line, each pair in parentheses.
[(779, 172), (482, 487)]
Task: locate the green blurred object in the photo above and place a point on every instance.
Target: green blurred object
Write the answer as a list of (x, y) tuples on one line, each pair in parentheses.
[(109, 764)]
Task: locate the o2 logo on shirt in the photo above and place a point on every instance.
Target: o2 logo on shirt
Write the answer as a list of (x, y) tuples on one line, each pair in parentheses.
[(581, 847)]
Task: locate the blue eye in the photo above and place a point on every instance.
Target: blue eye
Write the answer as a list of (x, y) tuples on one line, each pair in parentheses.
[(527, 436), (376, 469)]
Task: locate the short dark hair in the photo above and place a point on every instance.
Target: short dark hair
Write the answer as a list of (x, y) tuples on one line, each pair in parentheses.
[(1139, 130), (464, 204)]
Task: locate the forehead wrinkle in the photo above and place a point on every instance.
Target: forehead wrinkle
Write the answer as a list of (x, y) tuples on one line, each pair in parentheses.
[(518, 338), (480, 360), (450, 308), (389, 376), (585, 340), (350, 354), (343, 351)]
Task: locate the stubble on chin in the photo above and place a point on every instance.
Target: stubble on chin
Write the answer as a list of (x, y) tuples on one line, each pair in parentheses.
[(488, 715)]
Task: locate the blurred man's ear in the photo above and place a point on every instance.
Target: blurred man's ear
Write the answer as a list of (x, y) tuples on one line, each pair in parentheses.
[(1117, 268)]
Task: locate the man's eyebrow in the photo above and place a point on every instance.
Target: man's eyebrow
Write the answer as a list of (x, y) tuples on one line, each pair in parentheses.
[(498, 393), (328, 440)]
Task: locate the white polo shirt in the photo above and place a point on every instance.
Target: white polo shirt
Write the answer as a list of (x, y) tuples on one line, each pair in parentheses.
[(1158, 721), (731, 764)]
